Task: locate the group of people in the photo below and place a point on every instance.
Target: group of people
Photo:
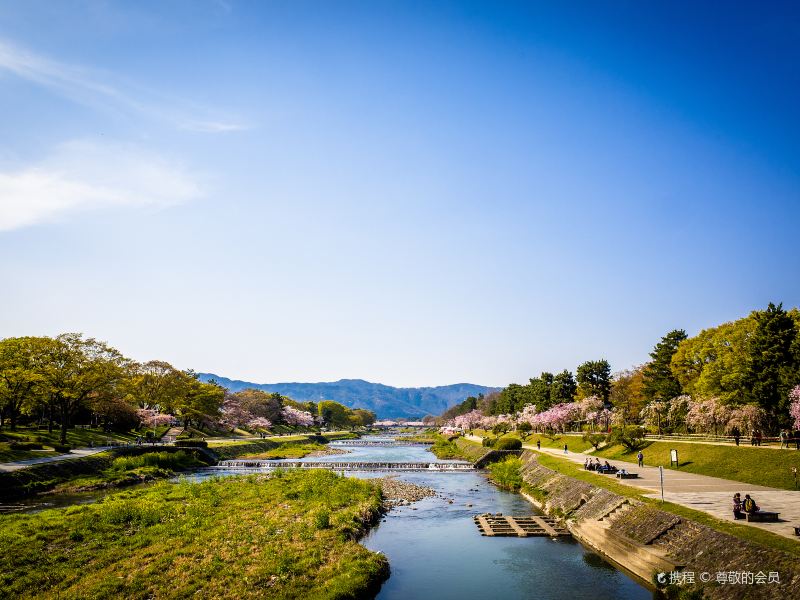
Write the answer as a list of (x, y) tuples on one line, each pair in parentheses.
[(596, 465), (743, 507)]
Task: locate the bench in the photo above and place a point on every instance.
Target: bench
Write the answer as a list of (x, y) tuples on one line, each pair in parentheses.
[(762, 516), (628, 475)]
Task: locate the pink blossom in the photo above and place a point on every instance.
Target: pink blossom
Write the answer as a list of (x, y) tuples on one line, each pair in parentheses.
[(259, 423), (293, 416), (151, 418), (794, 406)]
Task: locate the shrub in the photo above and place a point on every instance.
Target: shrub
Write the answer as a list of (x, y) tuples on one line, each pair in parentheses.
[(595, 439), (507, 473), (488, 442), (191, 443), (508, 444), (164, 460), (25, 446), (61, 447), (322, 519), (632, 437)]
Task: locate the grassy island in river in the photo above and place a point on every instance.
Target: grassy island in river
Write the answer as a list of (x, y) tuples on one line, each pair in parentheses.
[(290, 535)]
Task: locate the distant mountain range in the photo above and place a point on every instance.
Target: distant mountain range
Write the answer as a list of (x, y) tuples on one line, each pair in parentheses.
[(384, 400)]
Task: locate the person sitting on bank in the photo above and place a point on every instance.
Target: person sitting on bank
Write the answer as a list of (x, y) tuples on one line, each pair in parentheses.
[(737, 506), (749, 505)]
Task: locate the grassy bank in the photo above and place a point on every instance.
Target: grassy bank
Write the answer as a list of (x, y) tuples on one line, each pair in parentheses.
[(459, 448), (289, 450), (772, 468), (98, 470), (752, 534), (129, 470), (290, 536)]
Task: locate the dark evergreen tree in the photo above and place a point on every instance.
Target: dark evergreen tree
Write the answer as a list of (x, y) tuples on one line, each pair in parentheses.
[(659, 381), (594, 379), (563, 388), (771, 362)]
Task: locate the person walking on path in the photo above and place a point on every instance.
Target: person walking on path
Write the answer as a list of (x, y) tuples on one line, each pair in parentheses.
[(736, 434), (782, 436), (565, 449), (538, 444), (640, 458)]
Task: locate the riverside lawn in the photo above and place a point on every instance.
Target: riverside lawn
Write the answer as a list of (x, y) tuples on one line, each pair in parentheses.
[(289, 535), (769, 467)]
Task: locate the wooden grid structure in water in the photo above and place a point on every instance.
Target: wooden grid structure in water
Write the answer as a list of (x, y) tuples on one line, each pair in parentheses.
[(527, 526)]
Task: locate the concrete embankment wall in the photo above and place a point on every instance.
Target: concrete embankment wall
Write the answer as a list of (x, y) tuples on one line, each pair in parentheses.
[(646, 541)]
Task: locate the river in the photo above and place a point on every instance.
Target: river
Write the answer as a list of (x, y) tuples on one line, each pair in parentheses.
[(436, 551)]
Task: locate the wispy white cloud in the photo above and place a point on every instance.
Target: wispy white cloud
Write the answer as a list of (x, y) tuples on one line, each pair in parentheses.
[(104, 91), (86, 175)]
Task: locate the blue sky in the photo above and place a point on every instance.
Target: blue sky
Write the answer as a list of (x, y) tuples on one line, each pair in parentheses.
[(413, 193)]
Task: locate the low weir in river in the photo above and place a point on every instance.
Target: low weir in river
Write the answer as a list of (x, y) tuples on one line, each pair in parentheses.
[(345, 465), (397, 442)]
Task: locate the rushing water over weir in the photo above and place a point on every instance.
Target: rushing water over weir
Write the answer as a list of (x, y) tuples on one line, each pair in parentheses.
[(346, 465)]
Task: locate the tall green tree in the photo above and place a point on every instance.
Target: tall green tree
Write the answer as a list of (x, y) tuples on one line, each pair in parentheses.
[(714, 363), (770, 359), (75, 369), (594, 379), (564, 387), (660, 382), (20, 375), (334, 414), (197, 401)]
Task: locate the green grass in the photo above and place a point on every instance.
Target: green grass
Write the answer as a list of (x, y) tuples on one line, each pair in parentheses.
[(128, 470), (9, 454), (77, 437), (289, 536), (104, 469), (753, 534), (290, 450), (460, 448), (772, 468)]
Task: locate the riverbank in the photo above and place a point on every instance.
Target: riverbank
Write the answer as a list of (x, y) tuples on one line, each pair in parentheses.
[(289, 535), (108, 469), (646, 540)]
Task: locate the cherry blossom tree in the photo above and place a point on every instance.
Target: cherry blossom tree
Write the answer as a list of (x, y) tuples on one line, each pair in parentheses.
[(233, 412), (468, 420), (293, 416), (794, 406), (746, 418), (152, 419), (707, 415)]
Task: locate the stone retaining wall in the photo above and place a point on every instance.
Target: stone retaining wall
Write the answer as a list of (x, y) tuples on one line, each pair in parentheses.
[(645, 540)]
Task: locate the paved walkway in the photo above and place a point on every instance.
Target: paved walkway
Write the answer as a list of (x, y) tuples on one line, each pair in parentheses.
[(76, 453), (711, 495)]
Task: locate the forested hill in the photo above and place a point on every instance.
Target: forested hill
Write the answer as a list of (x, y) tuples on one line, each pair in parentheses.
[(386, 401)]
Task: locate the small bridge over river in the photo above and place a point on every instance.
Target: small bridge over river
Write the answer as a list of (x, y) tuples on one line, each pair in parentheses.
[(346, 466), (378, 443)]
